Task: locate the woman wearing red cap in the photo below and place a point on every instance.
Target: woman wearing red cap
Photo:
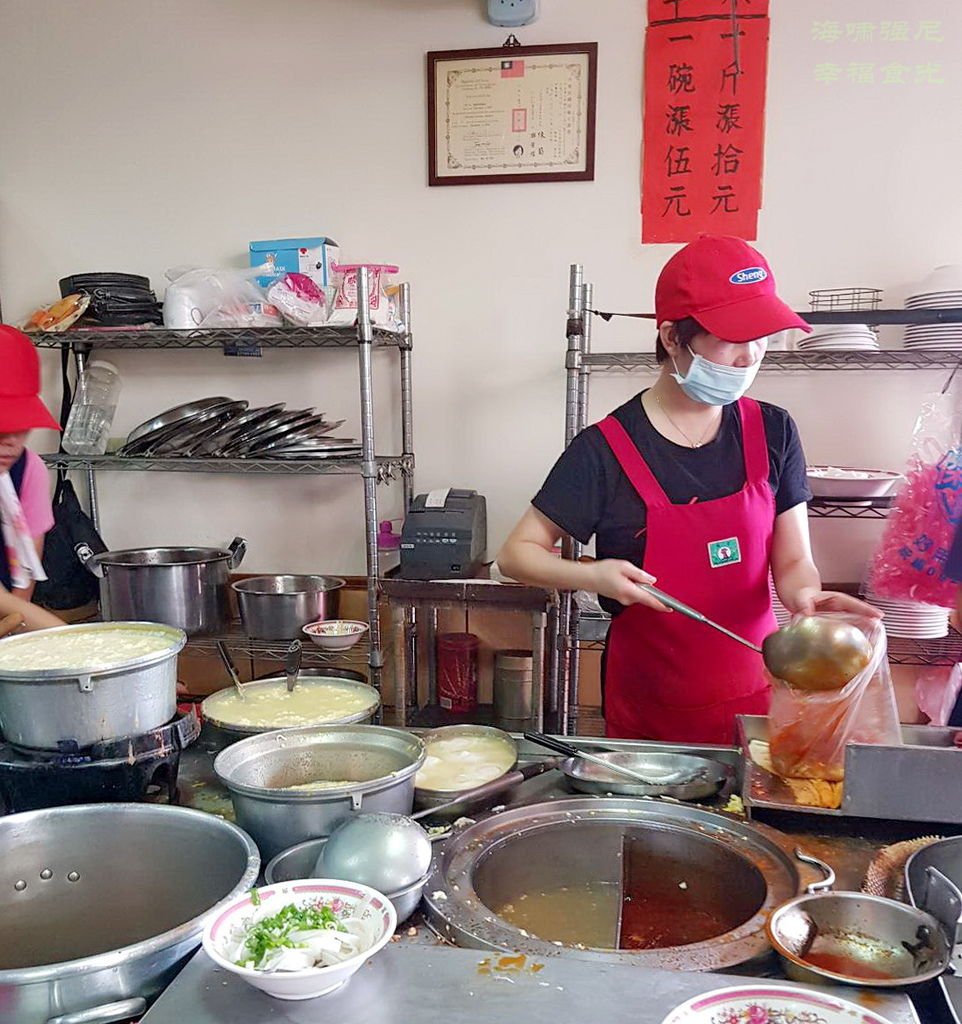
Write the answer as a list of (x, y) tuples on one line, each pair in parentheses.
[(25, 511), (694, 486)]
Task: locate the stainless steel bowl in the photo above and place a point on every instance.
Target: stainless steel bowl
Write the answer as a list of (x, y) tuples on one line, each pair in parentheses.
[(682, 776), (424, 797), (376, 764), (406, 900), (856, 939), (300, 862), (278, 607), (106, 901)]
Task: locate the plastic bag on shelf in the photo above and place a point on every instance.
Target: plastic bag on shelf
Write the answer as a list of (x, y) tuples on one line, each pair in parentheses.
[(199, 297), (809, 731), (936, 691), (300, 300), (383, 302), (909, 563)]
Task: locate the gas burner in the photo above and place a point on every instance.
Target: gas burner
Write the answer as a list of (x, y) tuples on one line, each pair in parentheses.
[(130, 768)]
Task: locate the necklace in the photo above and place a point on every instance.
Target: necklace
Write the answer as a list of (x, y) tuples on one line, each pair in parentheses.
[(692, 443)]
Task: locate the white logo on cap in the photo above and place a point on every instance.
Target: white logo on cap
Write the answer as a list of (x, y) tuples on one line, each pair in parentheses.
[(750, 275)]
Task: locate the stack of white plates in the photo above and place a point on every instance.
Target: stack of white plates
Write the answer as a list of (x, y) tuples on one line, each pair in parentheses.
[(942, 289), (911, 620), (843, 338)]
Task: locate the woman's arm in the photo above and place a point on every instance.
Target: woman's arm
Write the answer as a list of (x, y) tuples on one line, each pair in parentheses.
[(527, 556), (33, 616), (26, 593), (797, 580)]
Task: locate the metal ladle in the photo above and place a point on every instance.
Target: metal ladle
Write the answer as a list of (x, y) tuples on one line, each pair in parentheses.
[(231, 670), (292, 664), (390, 851), (814, 653)]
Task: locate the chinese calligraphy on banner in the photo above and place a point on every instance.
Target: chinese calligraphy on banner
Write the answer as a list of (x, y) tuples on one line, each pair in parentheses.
[(704, 132)]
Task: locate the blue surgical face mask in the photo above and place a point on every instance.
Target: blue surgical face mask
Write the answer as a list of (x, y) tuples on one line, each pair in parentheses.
[(714, 384)]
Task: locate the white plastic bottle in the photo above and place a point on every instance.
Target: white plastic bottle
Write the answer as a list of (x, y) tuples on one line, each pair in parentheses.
[(92, 412)]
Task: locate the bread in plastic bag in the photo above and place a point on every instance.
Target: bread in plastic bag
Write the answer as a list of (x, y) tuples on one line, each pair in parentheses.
[(809, 731)]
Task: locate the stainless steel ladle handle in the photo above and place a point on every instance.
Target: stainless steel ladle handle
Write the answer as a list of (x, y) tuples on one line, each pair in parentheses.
[(825, 884), (678, 606)]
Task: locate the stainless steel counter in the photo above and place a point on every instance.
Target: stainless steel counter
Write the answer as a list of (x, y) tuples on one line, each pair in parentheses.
[(847, 845), (415, 985)]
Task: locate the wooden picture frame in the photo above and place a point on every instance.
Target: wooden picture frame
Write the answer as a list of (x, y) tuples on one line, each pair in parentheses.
[(512, 114)]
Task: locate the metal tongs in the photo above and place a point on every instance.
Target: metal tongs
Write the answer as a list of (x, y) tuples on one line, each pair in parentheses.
[(231, 670), (560, 747)]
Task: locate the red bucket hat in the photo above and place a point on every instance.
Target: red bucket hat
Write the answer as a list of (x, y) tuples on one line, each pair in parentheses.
[(727, 286), (20, 405)]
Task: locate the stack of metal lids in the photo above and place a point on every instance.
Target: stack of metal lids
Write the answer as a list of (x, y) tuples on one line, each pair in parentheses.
[(222, 427)]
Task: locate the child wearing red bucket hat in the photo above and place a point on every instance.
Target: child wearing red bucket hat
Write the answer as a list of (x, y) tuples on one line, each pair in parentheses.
[(694, 485), (25, 509)]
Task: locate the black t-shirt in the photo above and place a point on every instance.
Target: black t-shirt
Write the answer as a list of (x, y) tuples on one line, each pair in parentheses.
[(588, 494)]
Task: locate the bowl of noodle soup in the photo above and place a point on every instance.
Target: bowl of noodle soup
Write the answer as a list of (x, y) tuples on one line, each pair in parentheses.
[(300, 939)]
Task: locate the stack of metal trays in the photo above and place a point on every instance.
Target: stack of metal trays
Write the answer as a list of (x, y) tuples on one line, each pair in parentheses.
[(225, 428)]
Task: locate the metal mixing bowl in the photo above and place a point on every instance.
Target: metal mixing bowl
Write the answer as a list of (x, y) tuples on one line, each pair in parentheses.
[(682, 776), (841, 937), (106, 901), (278, 607)]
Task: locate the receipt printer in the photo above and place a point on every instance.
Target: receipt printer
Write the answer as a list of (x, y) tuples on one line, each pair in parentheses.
[(444, 536)]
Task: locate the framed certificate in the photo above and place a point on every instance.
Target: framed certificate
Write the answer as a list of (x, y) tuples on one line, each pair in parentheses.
[(518, 113)]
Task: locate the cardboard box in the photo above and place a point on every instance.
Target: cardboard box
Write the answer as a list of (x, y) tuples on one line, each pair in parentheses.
[(310, 256)]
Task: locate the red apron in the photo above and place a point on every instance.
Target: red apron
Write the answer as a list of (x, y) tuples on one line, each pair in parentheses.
[(667, 677)]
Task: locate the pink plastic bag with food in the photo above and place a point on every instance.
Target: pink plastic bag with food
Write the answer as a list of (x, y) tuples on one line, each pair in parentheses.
[(809, 730), (909, 563)]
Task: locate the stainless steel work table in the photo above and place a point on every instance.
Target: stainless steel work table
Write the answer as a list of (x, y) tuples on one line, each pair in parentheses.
[(419, 985), (392, 987)]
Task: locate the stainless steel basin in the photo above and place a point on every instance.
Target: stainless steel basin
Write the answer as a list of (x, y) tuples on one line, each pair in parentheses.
[(101, 903), (658, 884)]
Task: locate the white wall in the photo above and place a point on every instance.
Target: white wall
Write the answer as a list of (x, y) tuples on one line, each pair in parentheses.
[(136, 136)]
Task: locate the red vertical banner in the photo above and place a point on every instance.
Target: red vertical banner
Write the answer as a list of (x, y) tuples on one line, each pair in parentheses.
[(706, 63)]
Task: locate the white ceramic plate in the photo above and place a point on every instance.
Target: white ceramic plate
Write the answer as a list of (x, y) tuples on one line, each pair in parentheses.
[(770, 1004)]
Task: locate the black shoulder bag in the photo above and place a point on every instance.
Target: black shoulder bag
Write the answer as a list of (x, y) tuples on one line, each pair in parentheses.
[(68, 583)]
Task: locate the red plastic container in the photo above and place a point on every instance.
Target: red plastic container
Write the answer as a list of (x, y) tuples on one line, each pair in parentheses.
[(457, 655)]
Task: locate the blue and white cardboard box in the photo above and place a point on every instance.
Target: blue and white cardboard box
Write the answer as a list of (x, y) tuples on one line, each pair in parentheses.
[(310, 256)]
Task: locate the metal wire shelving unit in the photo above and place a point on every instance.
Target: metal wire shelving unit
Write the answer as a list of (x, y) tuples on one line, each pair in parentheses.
[(339, 336), (389, 467), (577, 632), (242, 646), (794, 362), (371, 467)]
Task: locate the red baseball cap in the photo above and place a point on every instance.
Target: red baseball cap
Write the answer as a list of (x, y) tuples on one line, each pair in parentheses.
[(727, 286), (20, 405)]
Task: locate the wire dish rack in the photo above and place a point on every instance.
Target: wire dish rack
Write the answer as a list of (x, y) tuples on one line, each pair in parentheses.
[(849, 299)]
